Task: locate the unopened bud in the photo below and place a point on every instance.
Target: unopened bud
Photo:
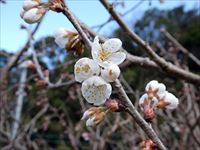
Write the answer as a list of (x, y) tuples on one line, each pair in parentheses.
[(115, 105), (94, 116)]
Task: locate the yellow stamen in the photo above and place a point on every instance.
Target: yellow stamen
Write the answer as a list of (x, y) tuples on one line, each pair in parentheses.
[(103, 55)]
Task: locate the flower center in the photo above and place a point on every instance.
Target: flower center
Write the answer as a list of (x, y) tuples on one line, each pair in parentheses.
[(86, 68), (103, 55)]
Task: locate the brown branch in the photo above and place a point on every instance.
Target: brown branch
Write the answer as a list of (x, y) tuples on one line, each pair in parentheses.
[(165, 66), (183, 49)]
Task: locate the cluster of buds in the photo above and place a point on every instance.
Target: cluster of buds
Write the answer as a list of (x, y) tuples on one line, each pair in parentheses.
[(156, 97), (94, 116), (33, 11), (70, 40), (147, 145)]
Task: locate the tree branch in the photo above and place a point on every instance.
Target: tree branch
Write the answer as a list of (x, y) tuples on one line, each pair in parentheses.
[(165, 66)]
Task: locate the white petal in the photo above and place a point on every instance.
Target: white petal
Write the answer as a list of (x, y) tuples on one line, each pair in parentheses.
[(95, 90), (60, 32), (96, 47), (153, 84), (61, 41), (22, 13), (33, 15), (161, 88), (85, 115), (29, 4), (116, 58), (110, 73), (85, 68), (90, 122), (142, 98), (112, 45), (170, 98)]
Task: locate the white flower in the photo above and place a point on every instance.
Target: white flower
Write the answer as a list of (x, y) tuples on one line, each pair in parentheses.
[(171, 100), (33, 15), (110, 73), (85, 68), (108, 52), (29, 4), (95, 90)]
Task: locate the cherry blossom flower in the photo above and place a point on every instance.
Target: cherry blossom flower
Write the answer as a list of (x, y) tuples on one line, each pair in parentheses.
[(85, 68), (110, 73), (33, 15), (108, 52), (29, 4), (95, 90)]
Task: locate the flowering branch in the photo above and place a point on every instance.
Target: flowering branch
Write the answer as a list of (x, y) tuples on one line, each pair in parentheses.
[(138, 118), (134, 113)]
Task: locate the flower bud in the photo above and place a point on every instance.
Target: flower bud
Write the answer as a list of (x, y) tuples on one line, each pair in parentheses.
[(94, 116), (147, 145), (110, 73), (33, 15), (56, 5), (115, 105), (153, 88), (29, 4), (70, 40)]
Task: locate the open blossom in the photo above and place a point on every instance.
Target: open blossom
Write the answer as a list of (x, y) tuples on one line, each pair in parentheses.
[(33, 15), (108, 52), (110, 73), (85, 68), (168, 101), (70, 40), (95, 90), (94, 116), (29, 4)]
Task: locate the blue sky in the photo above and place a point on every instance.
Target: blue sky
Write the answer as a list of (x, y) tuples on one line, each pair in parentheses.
[(90, 11)]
